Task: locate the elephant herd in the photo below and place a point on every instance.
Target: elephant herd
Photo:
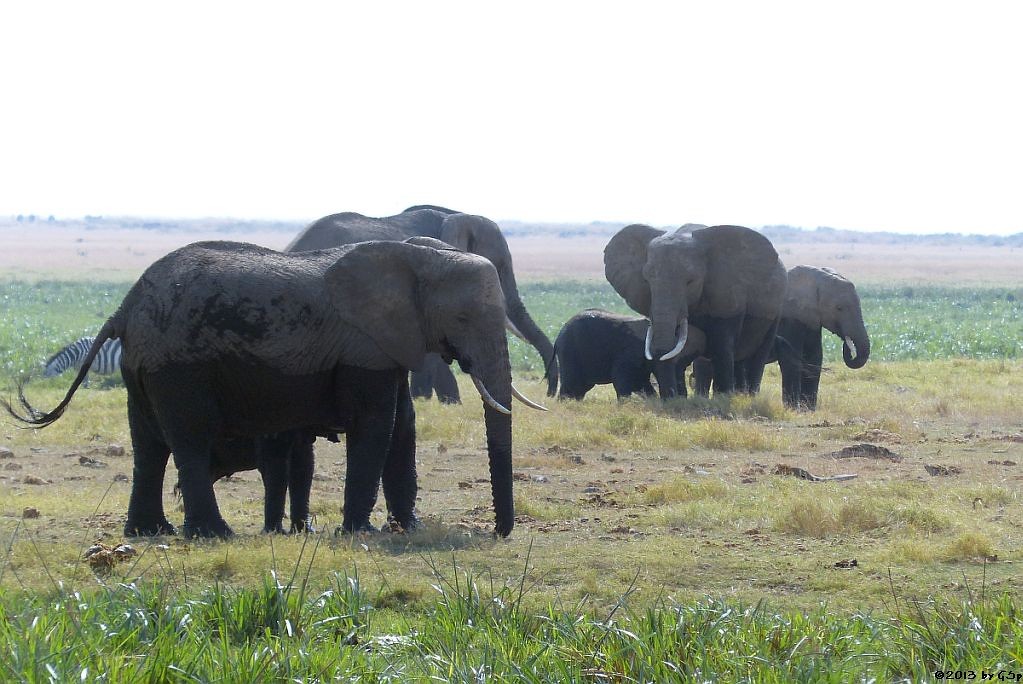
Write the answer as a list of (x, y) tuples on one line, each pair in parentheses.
[(236, 356), (717, 298)]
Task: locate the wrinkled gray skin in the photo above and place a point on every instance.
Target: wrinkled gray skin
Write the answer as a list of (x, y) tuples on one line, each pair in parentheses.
[(726, 280), (467, 232), (817, 299), (227, 340), (597, 347)]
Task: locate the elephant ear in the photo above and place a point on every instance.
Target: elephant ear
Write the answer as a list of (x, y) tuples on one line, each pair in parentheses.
[(803, 295), (374, 287), (624, 259), (458, 231)]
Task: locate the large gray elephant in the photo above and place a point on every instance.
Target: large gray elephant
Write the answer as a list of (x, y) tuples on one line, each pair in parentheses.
[(726, 280), (467, 232), (232, 340), (817, 298), (597, 347)]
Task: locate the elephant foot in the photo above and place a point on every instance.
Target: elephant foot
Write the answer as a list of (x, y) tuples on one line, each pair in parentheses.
[(135, 528), (208, 530), (348, 528), (403, 524), (303, 526), (278, 529)]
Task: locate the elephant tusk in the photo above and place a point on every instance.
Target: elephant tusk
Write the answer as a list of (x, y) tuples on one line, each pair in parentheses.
[(852, 346), (649, 337), (680, 344), (526, 400), (513, 330), (487, 398)]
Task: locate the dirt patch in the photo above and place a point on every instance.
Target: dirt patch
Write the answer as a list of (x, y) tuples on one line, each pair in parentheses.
[(867, 451), (878, 435)]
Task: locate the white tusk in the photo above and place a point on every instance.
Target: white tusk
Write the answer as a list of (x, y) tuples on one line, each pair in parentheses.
[(681, 342), (513, 330), (649, 337), (487, 398), (852, 346), (526, 400)]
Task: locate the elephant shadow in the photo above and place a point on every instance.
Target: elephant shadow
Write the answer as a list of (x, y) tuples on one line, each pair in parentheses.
[(432, 535)]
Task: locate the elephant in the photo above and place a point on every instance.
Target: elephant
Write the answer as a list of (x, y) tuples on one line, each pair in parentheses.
[(597, 347), (817, 298), (726, 280), (470, 233), (435, 376), (227, 340), (285, 462)]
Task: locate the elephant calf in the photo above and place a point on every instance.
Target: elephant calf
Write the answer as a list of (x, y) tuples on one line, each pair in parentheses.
[(817, 298), (597, 347), (285, 462)]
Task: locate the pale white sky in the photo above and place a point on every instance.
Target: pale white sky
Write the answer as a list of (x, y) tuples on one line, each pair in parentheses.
[(889, 115)]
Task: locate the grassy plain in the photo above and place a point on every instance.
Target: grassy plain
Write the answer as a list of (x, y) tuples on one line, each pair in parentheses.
[(649, 536)]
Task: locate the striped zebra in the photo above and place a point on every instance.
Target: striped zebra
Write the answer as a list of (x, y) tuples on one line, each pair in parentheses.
[(107, 361)]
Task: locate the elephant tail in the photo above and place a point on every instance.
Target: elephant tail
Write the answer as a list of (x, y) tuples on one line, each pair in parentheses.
[(38, 419)]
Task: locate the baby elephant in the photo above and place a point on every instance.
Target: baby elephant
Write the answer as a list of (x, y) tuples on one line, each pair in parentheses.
[(597, 347), (816, 299), (285, 462)]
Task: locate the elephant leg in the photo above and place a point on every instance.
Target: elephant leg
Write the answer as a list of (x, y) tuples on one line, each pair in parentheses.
[(680, 378), (421, 384), (626, 378), (739, 373), (813, 359), (300, 480), (574, 382), (368, 440), (667, 381), (753, 367), (788, 348), (703, 374), (145, 508), (399, 474), (445, 384), (721, 336), (273, 461), (189, 420)]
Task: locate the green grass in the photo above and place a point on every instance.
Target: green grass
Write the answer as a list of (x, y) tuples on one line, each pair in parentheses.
[(479, 627), (905, 323)]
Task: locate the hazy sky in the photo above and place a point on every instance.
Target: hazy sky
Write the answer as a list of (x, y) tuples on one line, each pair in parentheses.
[(903, 116)]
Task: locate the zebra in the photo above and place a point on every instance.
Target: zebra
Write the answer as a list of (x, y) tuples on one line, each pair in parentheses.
[(107, 361)]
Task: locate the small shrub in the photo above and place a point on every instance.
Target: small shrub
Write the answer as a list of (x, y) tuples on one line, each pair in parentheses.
[(970, 545), (683, 489)]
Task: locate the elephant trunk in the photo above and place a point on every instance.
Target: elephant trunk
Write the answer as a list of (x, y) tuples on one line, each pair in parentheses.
[(495, 375), (669, 325), (856, 349), (518, 315)]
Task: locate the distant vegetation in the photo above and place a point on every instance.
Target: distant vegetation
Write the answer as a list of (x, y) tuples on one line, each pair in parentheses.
[(905, 323), (515, 228)]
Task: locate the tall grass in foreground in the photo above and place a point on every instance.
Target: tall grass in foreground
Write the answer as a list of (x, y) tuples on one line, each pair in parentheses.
[(479, 629)]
